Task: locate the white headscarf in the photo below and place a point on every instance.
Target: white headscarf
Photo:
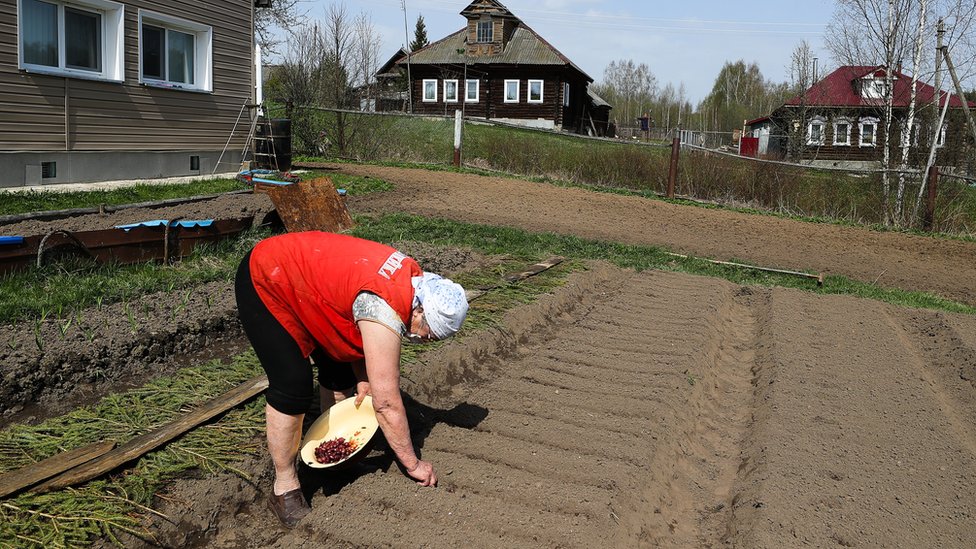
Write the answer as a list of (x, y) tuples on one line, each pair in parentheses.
[(445, 305)]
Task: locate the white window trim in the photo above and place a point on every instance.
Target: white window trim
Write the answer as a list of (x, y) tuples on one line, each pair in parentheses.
[(818, 120), (456, 92), (542, 91), (491, 31), (477, 90), (423, 90), (518, 91), (940, 140), (860, 131), (203, 51), (847, 141), (113, 37), (566, 94)]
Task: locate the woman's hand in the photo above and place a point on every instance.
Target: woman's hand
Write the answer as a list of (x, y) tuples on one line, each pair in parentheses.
[(423, 473), (362, 389)]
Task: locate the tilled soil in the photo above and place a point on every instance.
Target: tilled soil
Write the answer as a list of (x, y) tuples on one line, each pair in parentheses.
[(656, 410), (653, 409)]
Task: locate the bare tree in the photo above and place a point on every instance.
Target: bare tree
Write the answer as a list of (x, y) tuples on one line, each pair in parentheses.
[(366, 53), (272, 25)]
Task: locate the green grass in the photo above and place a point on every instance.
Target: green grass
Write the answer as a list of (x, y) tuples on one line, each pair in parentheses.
[(529, 246), (75, 285), (69, 286), (38, 201)]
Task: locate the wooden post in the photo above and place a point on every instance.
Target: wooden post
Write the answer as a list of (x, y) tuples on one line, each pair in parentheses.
[(458, 122), (933, 182), (673, 171)]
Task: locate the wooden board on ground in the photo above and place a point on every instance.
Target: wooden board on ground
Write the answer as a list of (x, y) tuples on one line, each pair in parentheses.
[(312, 205), (14, 481), (153, 439)]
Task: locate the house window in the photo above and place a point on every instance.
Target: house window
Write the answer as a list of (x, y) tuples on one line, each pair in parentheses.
[(511, 91), (486, 31), (868, 128), (535, 91), (842, 132), (450, 91), (471, 90), (815, 131), (82, 40), (941, 140), (430, 90), (565, 94), (174, 53)]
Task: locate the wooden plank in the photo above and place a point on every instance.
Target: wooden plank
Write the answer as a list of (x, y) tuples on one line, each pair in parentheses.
[(14, 481), (153, 439), (471, 295)]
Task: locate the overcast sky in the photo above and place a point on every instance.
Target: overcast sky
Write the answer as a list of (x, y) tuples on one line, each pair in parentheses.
[(680, 40)]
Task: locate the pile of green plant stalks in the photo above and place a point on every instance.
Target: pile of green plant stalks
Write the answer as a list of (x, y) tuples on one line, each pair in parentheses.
[(105, 507), (122, 502)]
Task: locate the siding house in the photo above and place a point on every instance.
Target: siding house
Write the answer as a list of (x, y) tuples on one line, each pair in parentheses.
[(840, 121), (102, 89), (498, 68)]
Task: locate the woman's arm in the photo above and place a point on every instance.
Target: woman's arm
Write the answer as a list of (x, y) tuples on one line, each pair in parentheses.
[(381, 346)]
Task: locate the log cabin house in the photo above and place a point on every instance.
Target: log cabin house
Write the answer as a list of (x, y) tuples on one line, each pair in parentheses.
[(498, 68), (839, 121)]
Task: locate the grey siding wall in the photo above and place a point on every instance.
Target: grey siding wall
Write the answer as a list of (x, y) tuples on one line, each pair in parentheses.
[(55, 113)]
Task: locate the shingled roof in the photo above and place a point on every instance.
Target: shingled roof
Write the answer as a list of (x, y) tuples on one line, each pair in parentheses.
[(839, 89), (525, 47)]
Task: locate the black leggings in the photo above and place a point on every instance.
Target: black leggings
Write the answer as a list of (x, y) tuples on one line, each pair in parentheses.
[(290, 388)]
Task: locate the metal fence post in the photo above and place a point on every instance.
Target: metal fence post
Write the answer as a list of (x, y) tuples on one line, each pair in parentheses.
[(458, 121), (673, 171), (933, 183)]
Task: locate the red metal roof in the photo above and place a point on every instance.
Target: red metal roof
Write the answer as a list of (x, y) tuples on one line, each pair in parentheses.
[(838, 89)]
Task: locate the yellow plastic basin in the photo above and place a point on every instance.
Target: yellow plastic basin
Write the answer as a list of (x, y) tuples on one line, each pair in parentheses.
[(346, 421)]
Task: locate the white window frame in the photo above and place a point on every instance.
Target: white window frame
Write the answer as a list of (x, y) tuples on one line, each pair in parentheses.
[(542, 91), (448, 98), (477, 90), (490, 34), (847, 135), (816, 121), (940, 140), (112, 42), (870, 120), (202, 51), (518, 91), (565, 94), (424, 89)]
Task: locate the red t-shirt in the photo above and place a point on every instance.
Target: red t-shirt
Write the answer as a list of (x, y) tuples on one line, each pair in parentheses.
[(309, 281)]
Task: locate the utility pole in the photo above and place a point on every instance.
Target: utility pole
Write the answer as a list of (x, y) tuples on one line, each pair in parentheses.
[(938, 66), (406, 36)]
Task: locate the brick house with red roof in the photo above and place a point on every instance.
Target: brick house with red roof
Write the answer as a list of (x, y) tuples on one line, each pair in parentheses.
[(840, 121)]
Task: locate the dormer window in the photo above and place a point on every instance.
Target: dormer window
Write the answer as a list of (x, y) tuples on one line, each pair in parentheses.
[(485, 31), (875, 86)]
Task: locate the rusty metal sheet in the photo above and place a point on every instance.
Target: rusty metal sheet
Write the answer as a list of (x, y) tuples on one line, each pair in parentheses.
[(312, 205), (116, 245)]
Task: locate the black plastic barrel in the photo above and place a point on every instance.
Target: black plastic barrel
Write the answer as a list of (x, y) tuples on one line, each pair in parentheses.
[(281, 141), (272, 144)]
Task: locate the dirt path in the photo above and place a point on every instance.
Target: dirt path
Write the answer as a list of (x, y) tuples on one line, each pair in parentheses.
[(944, 267)]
